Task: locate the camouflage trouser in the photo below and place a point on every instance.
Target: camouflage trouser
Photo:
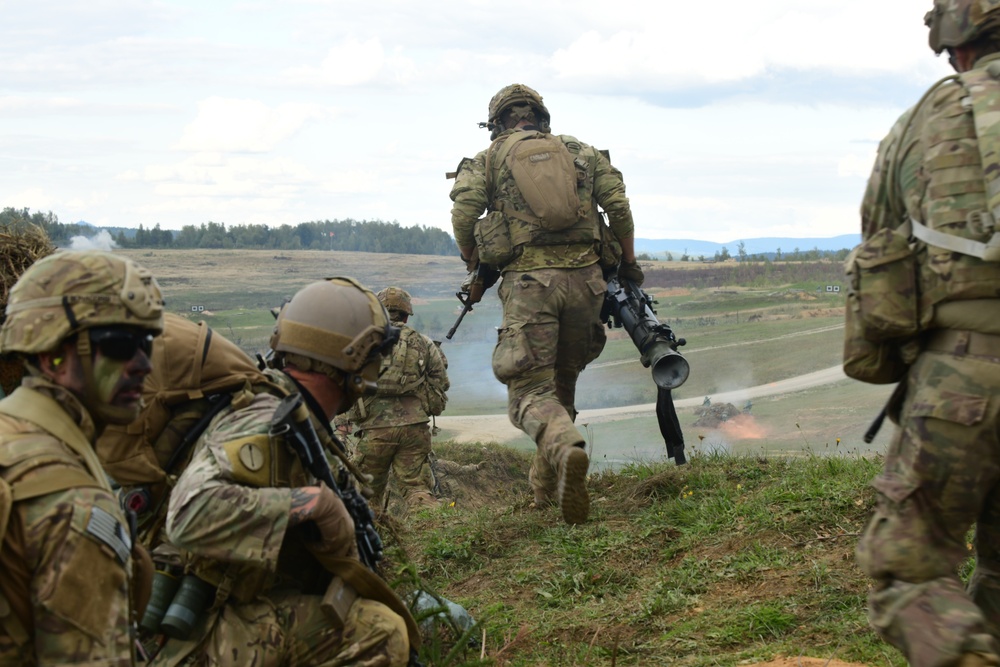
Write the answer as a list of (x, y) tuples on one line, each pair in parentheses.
[(941, 475), (551, 331), (405, 449), (291, 629)]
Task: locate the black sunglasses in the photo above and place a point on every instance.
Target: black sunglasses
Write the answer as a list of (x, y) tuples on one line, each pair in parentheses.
[(120, 344)]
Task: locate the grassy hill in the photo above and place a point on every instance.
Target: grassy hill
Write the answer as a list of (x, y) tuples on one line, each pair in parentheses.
[(729, 560)]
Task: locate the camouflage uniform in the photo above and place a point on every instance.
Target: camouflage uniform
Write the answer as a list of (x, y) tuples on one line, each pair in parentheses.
[(229, 516), (393, 426), (82, 324), (551, 294), (942, 468), (64, 592)]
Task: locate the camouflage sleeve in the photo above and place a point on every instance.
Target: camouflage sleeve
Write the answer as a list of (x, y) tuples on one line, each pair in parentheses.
[(213, 515), (896, 165), (469, 197), (76, 550), (609, 191)]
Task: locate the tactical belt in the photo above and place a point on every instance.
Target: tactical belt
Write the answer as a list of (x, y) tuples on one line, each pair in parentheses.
[(961, 343)]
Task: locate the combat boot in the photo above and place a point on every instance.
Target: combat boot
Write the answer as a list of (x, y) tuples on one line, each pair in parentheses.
[(574, 501)]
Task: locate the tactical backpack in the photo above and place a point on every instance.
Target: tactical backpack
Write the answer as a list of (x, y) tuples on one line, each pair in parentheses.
[(894, 282), (546, 177), (546, 200), (195, 376), (404, 372)]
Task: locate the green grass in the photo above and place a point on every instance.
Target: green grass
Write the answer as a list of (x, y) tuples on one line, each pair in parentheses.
[(725, 561)]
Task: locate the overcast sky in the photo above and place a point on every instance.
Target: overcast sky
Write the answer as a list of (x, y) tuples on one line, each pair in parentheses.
[(729, 119)]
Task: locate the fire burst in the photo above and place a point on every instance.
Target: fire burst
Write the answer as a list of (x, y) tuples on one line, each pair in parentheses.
[(742, 427)]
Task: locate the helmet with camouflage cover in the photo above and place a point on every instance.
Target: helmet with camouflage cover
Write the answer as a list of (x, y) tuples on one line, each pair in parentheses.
[(72, 292), (67, 292), (396, 299), (337, 327), (513, 95), (956, 22)]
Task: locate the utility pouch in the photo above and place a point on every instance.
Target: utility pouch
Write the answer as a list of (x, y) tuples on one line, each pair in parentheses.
[(337, 601), (492, 234), (867, 361), (882, 293)]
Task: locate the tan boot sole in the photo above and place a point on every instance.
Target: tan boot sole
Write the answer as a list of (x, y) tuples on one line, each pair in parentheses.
[(574, 501)]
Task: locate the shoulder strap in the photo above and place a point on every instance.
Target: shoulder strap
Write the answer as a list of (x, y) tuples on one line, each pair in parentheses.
[(977, 83), (49, 416), (988, 252), (506, 144)]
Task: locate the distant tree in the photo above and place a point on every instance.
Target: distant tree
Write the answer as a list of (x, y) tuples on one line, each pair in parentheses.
[(741, 251), (670, 257)]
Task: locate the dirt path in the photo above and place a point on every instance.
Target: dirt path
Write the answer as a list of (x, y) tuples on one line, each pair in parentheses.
[(488, 428)]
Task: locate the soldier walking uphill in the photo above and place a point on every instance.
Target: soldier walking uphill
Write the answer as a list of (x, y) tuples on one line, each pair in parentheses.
[(394, 423), (544, 233), (924, 310), (260, 539), (83, 324)]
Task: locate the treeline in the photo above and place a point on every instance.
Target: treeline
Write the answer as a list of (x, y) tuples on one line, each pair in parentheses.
[(722, 255), (356, 235), (749, 274)]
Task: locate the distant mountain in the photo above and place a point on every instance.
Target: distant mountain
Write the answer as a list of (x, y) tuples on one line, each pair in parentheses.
[(695, 248)]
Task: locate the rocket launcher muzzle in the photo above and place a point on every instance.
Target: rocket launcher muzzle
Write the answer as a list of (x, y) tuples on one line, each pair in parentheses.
[(627, 305)]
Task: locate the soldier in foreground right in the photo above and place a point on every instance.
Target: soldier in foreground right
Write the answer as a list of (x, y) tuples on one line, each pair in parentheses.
[(924, 310)]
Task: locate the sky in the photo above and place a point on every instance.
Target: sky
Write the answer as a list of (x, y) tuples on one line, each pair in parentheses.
[(729, 120)]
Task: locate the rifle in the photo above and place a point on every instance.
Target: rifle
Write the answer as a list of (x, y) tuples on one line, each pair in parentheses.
[(291, 421), (476, 283), (628, 306)]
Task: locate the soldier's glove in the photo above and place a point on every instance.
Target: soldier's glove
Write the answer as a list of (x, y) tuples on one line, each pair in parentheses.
[(473, 288), (335, 526), (631, 271)]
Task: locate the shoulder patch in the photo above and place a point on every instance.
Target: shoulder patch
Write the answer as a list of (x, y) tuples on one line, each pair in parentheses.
[(107, 529), (250, 458)]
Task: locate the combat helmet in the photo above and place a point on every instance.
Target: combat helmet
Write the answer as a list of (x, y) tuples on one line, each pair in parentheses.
[(956, 22), (69, 292), (396, 299), (338, 327), (514, 94)]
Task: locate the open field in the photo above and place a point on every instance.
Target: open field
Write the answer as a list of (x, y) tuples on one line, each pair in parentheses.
[(737, 338)]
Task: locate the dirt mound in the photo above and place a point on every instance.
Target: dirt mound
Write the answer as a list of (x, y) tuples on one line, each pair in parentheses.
[(711, 416), (781, 661), (473, 477)]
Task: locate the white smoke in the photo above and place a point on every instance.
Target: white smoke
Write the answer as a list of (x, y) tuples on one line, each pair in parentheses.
[(100, 241)]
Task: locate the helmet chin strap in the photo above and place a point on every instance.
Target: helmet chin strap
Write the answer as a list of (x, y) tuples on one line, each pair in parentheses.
[(100, 410)]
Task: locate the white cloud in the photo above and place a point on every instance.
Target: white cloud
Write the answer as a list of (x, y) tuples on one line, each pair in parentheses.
[(855, 165), (240, 125), (350, 63)]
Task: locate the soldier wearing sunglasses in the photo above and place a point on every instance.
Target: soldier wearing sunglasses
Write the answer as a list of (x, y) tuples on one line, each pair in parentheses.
[(83, 324)]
